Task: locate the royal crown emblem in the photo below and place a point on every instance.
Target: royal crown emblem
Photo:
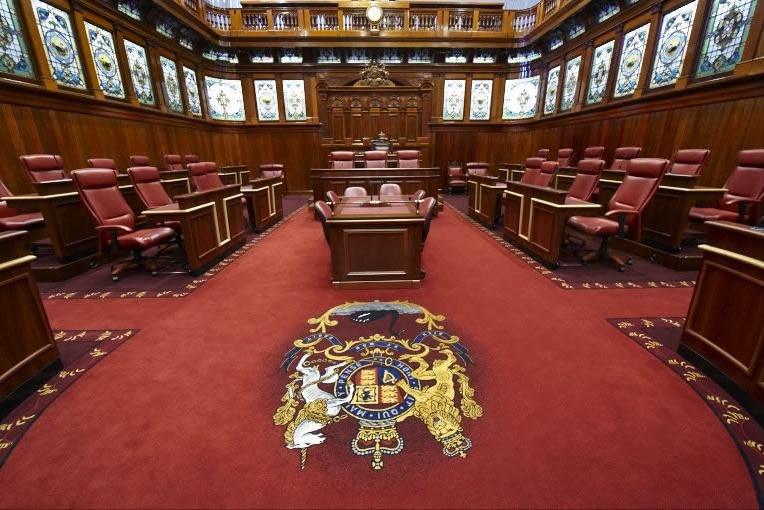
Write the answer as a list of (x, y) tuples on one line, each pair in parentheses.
[(347, 369)]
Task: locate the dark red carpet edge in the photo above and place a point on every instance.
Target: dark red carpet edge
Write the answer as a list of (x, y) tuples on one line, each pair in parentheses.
[(181, 416)]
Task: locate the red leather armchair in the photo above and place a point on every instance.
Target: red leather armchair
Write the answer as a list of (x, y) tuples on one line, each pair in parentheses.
[(272, 170), (585, 183), (742, 201), (456, 179), (139, 160), (409, 158), (204, 175), (355, 191), (532, 170), (115, 221), (342, 159), (323, 211), (624, 214), (43, 167), (477, 168), (173, 162), (427, 210), (689, 161), (375, 159), (148, 186), (565, 157), (190, 158), (103, 163), (597, 152), (623, 155), (543, 153), (546, 173), (390, 188), (332, 197), (12, 219)]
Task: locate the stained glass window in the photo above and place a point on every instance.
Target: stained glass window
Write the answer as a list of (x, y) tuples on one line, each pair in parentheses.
[(672, 45), (14, 56), (192, 91), (632, 56), (726, 32), (480, 99), (603, 56), (453, 99), (171, 85), (225, 98), (294, 99), (105, 59), (572, 68), (520, 98), (139, 72), (552, 85), (60, 45), (267, 100)]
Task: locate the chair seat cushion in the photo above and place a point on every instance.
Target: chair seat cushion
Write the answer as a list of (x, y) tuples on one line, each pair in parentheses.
[(145, 238), (457, 182), (711, 214), (575, 201), (22, 222), (594, 226)]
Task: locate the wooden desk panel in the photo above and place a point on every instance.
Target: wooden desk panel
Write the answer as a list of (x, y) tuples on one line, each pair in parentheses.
[(609, 182), (484, 198), (564, 177), (26, 341), (241, 173), (264, 201), (409, 179), (725, 324), (176, 182), (375, 246)]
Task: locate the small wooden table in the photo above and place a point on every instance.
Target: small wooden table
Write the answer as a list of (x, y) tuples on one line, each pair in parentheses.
[(264, 201)]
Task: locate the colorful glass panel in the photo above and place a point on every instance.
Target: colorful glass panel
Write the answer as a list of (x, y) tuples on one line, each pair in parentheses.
[(226, 101), (105, 59), (60, 45), (267, 100), (192, 91), (14, 56), (171, 85), (603, 56), (572, 68), (552, 86), (140, 72), (480, 99), (672, 45), (520, 98), (726, 32), (632, 56), (294, 99), (453, 99)]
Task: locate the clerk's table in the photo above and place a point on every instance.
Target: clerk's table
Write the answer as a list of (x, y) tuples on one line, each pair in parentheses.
[(376, 244)]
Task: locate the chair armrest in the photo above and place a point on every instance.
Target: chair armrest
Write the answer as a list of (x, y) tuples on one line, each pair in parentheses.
[(108, 228), (742, 204), (111, 231), (622, 214)]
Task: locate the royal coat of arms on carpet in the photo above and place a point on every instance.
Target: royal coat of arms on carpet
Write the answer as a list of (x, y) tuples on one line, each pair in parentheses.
[(379, 363)]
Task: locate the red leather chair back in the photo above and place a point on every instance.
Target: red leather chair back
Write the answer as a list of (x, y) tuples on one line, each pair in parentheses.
[(172, 162), (148, 186), (546, 173), (390, 188), (100, 193), (532, 170), (594, 152), (5, 210), (565, 157), (342, 159), (477, 168), (205, 176), (323, 211), (543, 153), (103, 163), (746, 182), (639, 185), (623, 155), (355, 191), (427, 209), (586, 180), (139, 160), (689, 161), (272, 170), (409, 158), (190, 158), (43, 167), (375, 159)]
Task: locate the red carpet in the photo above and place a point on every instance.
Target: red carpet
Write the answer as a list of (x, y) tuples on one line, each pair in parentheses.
[(573, 414)]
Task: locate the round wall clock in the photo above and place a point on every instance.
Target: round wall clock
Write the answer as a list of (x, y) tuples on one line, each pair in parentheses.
[(374, 13)]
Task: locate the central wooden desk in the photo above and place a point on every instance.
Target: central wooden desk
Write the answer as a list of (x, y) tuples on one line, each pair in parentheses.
[(535, 217), (409, 179), (375, 245), (212, 223)]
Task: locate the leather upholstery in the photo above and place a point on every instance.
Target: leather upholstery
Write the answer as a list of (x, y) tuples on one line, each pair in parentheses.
[(594, 152), (332, 197), (477, 168), (148, 186), (190, 158), (456, 179), (12, 219), (689, 161), (532, 170), (172, 162), (102, 163), (744, 186), (139, 160), (342, 159), (565, 157), (323, 211), (355, 191), (409, 158), (546, 173), (204, 175), (272, 170), (623, 155), (43, 167), (375, 159), (427, 210), (586, 180), (419, 195), (543, 153), (390, 188)]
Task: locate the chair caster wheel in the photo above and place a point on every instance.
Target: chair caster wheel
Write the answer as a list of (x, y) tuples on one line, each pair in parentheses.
[(621, 269), (654, 257), (154, 273), (115, 278), (93, 263), (631, 262)]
